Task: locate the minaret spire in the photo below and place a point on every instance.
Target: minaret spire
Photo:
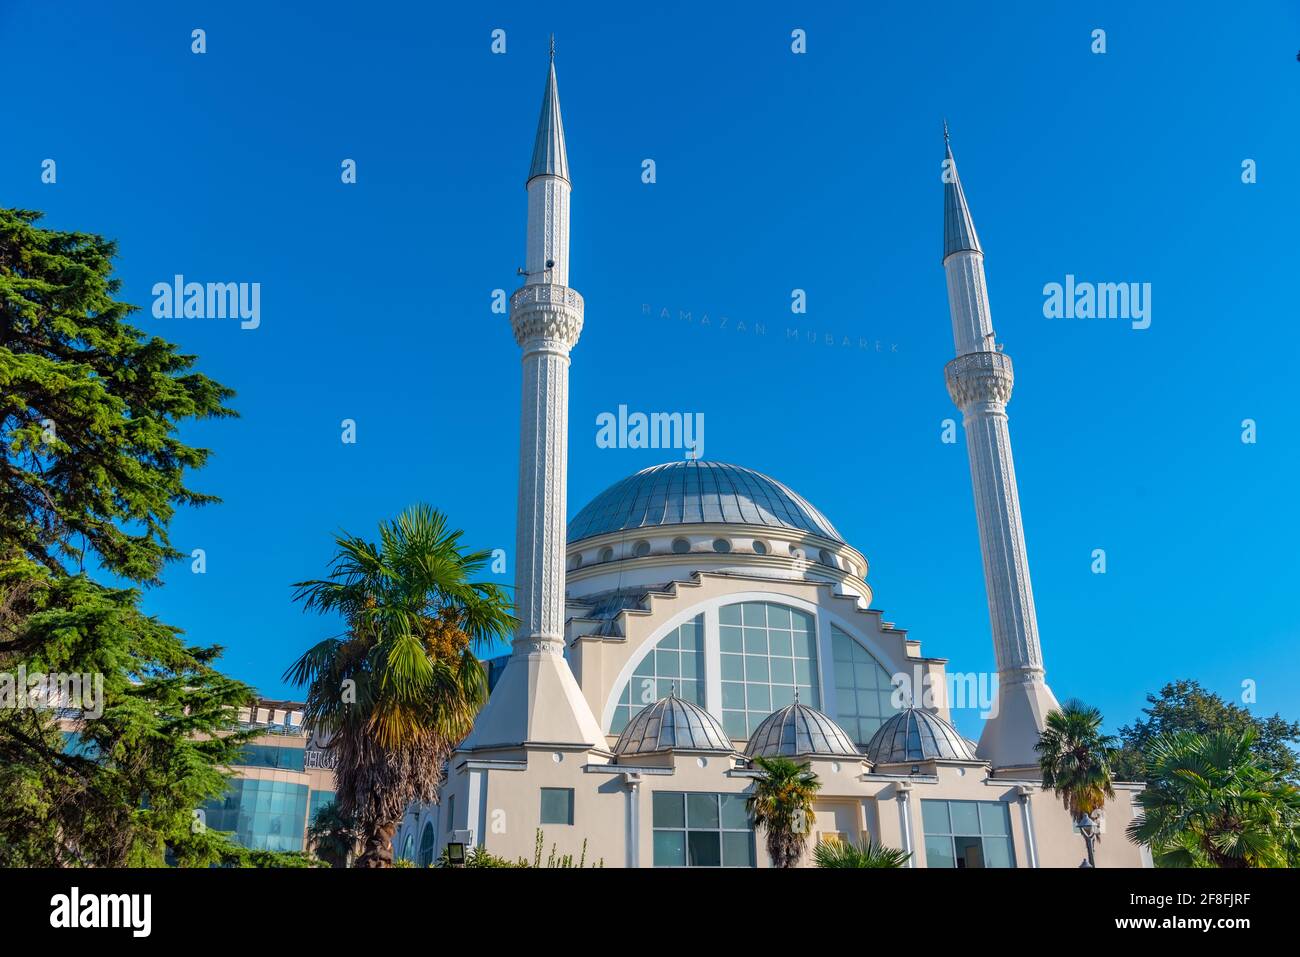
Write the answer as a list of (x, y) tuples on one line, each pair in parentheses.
[(980, 381), (537, 701)]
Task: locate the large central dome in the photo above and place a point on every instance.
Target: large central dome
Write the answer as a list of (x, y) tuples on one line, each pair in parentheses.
[(686, 493)]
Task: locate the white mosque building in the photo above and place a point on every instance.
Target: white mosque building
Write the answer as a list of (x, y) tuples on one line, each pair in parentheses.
[(698, 614)]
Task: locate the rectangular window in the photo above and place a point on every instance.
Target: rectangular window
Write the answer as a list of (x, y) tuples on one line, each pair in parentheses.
[(701, 830), (557, 805), (967, 834)]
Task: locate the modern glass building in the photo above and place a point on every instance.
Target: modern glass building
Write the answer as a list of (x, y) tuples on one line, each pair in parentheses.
[(283, 779)]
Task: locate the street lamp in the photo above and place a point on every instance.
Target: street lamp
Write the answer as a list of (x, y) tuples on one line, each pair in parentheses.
[(1089, 828), (455, 854)]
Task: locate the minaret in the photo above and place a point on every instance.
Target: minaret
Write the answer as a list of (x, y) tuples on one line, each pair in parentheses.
[(537, 700), (979, 381)]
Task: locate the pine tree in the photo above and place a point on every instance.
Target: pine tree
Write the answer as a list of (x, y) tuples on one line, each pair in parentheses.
[(91, 472)]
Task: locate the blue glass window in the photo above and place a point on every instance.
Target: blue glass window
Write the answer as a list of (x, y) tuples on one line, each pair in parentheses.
[(768, 652), (272, 756), (967, 834), (261, 815), (863, 689), (557, 805), (676, 659), (701, 830)]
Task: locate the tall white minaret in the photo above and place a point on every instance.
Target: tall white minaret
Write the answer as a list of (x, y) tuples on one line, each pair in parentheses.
[(537, 700), (979, 381)]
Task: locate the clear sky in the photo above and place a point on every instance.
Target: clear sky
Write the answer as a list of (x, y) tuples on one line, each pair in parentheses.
[(775, 171)]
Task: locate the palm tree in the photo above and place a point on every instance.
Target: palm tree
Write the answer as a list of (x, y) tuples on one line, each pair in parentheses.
[(401, 687), (782, 804), (1075, 758), (1211, 803), (843, 854), (332, 836)]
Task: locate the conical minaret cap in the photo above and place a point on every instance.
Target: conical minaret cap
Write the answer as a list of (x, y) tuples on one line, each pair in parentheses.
[(958, 227), (549, 155)]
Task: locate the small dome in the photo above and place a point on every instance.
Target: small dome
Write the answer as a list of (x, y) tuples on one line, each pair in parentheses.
[(916, 735), (693, 492), (798, 730), (669, 724)]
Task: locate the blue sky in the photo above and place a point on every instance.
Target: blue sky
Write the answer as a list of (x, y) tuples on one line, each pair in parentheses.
[(775, 171)]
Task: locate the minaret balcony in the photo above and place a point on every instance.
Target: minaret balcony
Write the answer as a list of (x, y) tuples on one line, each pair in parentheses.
[(983, 378), (546, 311)]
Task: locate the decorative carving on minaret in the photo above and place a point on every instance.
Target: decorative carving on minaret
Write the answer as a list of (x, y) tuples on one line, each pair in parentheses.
[(979, 378), (546, 311)]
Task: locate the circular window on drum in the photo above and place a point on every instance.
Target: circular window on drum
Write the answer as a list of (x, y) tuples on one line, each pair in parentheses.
[(676, 660)]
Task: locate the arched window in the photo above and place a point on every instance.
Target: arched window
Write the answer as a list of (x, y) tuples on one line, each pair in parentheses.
[(408, 849), (862, 688), (677, 658), (768, 652), (426, 846)]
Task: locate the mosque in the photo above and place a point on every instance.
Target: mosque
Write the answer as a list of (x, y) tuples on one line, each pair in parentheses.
[(698, 614)]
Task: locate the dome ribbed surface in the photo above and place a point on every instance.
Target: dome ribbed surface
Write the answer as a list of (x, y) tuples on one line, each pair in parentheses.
[(686, 493), (798, 730), (672, 724), (916, 735)]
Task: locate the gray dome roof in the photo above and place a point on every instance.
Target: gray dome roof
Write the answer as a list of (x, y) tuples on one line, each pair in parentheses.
[(916, 735), (798, 730), (691, 492), (672, 723)]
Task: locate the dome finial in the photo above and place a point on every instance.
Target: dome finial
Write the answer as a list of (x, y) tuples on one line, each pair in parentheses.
[(552, 47), (947, 140)]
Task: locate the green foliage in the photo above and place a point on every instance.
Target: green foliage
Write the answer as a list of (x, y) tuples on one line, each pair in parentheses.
[(332, 835), (1186, 706), (89, 409), (1075, 757), (91, 468), (127, 792), (845, 854), (782, 804), (402, 686), (1211, 801), (481, 857)]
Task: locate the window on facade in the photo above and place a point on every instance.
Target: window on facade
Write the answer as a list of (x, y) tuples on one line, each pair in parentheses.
[(721, 545), (681, 546), (557, 805), (862, 688), (769, 652), (319, 799), (641, 549), (264, 815), (451, 812), (607, 554), (427, 840), (677, 658), (760, 548), (272, 756), (967, 834), (701, 830)]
